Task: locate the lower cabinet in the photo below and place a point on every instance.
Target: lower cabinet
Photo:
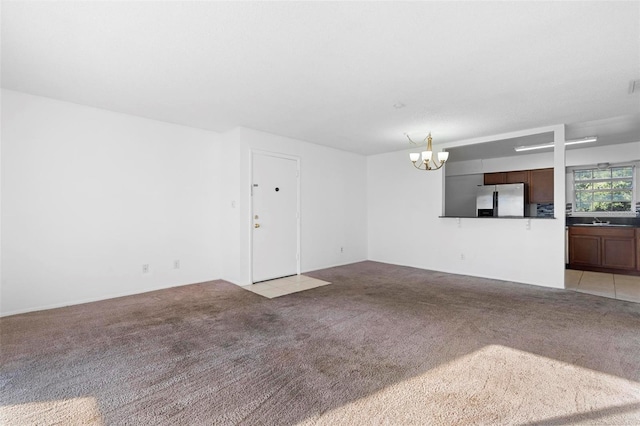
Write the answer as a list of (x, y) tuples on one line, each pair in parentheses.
[(603, 248), (619, 253), (638, 249), (584, 250)]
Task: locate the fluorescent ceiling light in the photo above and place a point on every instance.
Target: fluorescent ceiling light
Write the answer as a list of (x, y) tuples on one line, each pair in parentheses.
[(532, 147), (551, 144), (583, 140)]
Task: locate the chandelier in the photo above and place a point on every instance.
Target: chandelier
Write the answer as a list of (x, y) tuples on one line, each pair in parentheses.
[(428, 162)]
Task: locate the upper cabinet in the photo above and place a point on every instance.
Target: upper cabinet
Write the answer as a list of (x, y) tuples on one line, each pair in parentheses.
[(499, 178), (495, 178), (540, 182), (521, 176), (541, 186)]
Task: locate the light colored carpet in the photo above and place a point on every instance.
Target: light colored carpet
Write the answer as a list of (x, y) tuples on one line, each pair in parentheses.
[(382, 345)]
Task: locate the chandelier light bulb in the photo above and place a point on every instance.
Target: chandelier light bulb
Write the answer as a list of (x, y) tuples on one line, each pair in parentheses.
[(443, 156)]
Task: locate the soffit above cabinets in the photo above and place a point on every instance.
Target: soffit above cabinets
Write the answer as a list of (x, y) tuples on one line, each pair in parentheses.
[(613, 131)]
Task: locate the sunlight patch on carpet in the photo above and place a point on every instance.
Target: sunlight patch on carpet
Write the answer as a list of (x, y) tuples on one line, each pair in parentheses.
[(497, 384), (73, 411)]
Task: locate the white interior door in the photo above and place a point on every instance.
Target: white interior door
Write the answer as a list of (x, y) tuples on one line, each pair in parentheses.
[(275, 217)]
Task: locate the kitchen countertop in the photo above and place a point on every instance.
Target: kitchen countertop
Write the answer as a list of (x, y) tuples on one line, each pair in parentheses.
[(609, 225), (615, 222), (497, 217)]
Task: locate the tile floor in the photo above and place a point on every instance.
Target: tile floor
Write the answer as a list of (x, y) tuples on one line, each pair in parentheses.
[(286, 285), (614, 286), (621, 287)]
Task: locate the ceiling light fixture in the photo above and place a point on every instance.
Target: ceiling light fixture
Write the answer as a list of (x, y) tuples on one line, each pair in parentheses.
[(443, 156), (551, 144)]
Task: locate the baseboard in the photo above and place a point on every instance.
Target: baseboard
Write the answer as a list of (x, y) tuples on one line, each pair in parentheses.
[(332, 266), (95, 299), (489, 277), (304, 271)]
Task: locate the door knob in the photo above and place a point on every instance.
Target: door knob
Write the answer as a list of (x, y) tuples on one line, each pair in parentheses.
[(257, 225)]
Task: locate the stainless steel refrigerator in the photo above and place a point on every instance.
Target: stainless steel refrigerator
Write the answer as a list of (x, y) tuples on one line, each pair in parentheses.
[(501, 200)]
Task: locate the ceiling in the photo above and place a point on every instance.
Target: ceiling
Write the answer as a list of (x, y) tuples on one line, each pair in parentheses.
[(331, 72)]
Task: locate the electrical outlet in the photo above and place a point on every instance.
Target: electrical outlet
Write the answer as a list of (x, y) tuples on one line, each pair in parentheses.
[(145, 268), (341, 249), (461, 256), (176, 264)]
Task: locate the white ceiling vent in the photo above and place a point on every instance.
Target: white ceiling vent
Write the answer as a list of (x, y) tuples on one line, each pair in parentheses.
[(634, 86)]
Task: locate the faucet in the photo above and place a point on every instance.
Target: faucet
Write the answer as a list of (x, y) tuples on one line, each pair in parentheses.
[(596, 220)]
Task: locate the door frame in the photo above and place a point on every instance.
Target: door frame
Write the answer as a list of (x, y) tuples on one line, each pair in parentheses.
[(295, 158)]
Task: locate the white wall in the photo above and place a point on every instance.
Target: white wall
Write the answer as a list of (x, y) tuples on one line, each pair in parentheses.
[(1, 174), (621, 153), (89, 196), (333, 202), (404, 228)]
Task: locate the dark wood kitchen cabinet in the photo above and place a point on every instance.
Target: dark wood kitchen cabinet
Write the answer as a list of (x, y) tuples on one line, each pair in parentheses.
[(495, 178), (521, 176), (584, 250), (638, 249), (619, 252), (603, 249), (541, 186)]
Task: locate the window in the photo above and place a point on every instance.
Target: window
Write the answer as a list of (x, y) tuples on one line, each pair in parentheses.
[(608, 190)]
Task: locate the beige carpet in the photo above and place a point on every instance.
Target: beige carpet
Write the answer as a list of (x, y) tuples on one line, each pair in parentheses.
[(382, 345)]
